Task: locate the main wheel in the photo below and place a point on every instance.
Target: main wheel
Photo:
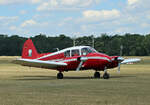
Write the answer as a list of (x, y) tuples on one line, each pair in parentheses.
[(96, 75), (106, 76), (60, 76)]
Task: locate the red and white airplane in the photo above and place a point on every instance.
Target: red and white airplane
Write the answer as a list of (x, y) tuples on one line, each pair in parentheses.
[(71, 59)]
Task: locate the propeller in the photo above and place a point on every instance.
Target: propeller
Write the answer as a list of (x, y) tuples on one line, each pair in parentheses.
[(119, 59)]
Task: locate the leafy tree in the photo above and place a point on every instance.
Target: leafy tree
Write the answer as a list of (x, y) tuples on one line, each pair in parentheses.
[(133, 44)]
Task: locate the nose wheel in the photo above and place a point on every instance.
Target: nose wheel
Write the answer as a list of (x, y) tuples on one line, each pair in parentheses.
[(106, 76), (96, 75), (60, 75)]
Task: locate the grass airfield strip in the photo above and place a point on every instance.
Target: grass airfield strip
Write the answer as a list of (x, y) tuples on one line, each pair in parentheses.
[(34, 86)]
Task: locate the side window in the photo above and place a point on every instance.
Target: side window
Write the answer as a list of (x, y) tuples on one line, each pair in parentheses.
[(67, 53), (75, 52), (85, 51)]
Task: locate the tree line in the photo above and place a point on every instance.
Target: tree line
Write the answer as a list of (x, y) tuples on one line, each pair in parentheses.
[(126, 45)]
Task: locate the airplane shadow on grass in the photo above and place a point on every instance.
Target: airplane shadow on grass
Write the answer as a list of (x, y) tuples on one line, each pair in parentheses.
[(39, 77)]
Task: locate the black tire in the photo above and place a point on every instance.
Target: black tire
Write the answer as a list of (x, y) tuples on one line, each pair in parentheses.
[(96, 75), (106, 76), (60, 76)]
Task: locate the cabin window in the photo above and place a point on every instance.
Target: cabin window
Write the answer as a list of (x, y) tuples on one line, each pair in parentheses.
[(85, 51), (75, 52), (67, 53)]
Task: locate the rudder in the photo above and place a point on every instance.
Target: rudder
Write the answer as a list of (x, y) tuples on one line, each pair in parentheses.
[(29, 50)]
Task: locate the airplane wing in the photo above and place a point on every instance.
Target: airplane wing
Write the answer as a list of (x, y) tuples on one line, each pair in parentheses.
[(39, 63), (133, 60)]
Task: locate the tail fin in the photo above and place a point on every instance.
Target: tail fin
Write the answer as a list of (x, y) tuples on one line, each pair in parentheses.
[(29, 50)]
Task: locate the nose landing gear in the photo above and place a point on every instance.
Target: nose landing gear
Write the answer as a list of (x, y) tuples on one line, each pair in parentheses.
[(106, 76), (60, 75)]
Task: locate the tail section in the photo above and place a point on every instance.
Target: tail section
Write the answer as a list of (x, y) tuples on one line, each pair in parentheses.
[(29, 50)]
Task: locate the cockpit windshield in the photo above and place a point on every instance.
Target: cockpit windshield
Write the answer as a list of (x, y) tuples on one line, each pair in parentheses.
[(93, 50), (87, 50)]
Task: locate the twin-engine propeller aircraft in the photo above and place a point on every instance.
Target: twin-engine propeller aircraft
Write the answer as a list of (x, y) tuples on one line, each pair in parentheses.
[(71, 59)]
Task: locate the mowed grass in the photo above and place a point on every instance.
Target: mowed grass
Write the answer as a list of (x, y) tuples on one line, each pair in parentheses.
[(34, 86)]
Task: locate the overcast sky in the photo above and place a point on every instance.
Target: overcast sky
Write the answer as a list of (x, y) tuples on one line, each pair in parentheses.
[(74, 17)]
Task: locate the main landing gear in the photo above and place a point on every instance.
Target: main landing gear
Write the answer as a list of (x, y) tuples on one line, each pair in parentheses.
[(96, 75), (60, 75), (105, 75)]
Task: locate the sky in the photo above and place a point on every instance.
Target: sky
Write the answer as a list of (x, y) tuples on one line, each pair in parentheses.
[(74, 17)]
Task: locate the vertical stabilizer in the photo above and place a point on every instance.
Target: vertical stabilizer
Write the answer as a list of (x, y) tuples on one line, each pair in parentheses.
[(29, 50)]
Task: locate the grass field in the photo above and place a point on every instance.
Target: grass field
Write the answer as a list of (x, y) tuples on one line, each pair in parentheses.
[(34, 86)]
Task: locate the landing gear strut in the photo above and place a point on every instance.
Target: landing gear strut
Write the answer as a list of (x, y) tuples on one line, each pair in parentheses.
[(106, 75), (60, 75), (96, 75)]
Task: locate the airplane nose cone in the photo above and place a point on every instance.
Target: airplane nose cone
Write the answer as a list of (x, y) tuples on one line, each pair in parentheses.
[(117, 59), (120, 58)]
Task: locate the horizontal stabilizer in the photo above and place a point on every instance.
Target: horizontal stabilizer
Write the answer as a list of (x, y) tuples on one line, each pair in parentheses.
[(131, 60)]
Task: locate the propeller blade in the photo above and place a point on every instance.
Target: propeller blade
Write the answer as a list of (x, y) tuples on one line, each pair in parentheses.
[(133, 60), (119, 64)]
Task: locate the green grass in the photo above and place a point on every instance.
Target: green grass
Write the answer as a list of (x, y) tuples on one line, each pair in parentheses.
[(34, 86)]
